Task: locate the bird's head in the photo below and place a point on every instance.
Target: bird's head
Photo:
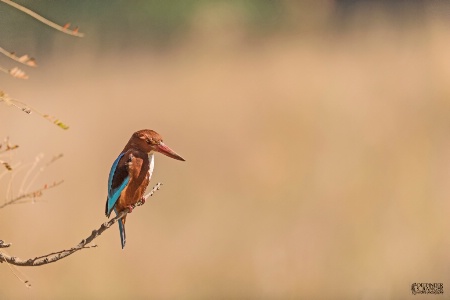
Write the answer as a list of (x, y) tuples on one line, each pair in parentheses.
[(150, 141)]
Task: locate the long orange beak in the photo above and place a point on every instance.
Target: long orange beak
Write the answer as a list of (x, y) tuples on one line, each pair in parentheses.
[(162, 148)]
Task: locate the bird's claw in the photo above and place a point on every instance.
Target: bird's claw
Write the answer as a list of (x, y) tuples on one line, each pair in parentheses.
[(130, 208)]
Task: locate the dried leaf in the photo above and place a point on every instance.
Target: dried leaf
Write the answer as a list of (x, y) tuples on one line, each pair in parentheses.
[(24, 59), (56, 122), (18, 73), (7, 166), (61, 124), (31, 62)]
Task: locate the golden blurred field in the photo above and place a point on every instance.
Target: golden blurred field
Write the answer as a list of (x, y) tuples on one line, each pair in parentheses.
[(316, 167)]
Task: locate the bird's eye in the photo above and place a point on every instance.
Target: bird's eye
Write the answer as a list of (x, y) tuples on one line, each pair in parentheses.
[(148, 141)]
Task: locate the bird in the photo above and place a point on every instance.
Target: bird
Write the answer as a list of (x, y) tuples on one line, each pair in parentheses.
[(131, 172)]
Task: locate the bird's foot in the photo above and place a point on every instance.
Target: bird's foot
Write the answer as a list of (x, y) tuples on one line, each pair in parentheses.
[(130, 208)]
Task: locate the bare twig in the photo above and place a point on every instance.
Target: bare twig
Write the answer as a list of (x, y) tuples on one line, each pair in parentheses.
[(54, 158), (5, 98), (55, 256), (34, 164), (19, 275), (41, 169), (40, 18), (37, 193)]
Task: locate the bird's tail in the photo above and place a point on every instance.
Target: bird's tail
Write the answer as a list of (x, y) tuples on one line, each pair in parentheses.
[(123, 237)]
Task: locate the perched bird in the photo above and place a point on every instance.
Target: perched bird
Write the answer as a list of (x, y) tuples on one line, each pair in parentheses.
[(131, 172)]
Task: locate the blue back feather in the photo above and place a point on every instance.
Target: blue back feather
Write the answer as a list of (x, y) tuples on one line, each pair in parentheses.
[(114, 194), (111, 173)]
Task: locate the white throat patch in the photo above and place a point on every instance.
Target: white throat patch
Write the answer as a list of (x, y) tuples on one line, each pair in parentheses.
[(152, 165)]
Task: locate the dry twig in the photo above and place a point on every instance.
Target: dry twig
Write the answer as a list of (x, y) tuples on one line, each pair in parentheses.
[(5, 98), (40, 18)]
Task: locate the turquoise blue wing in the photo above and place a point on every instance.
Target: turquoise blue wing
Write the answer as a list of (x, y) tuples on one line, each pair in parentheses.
[(117, 181), (112, 172)]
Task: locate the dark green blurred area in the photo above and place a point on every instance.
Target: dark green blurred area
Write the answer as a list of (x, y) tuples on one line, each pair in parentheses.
[(159, 24)]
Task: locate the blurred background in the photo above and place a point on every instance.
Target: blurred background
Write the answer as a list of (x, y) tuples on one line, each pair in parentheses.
[(315, 133)]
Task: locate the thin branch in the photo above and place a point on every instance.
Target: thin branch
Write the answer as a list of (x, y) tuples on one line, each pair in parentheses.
[(24, 59), (12, 102), (54, 158), (28, 109), (19, 275), (40, 18), (37, 193), (41, 170), (19, 168), (55, 256), (37, 159)]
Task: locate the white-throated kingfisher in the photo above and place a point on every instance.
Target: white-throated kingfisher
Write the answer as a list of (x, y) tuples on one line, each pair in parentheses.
[(131, 172)]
